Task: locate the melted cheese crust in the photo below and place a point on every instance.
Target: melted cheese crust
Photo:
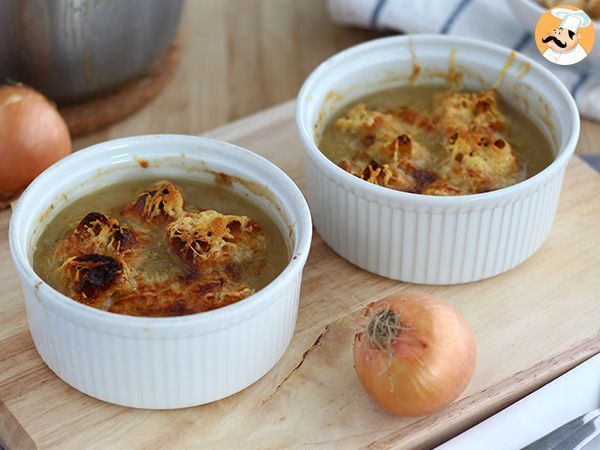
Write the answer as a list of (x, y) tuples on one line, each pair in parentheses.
[(160, 202), (103, 263), (388, 148), (208, 240), (182, 297), (99, 233)]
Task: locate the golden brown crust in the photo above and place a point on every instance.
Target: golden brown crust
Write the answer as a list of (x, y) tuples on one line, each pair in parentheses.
[(411, 117), (403, 147), (92, 279), (479, 163), (99, 233), (475, 156), (402, 176), (471, 112), (160, 202), (208, 240), (390, 156), (182, 297), (101, 262), (384, 137), (441, 188)]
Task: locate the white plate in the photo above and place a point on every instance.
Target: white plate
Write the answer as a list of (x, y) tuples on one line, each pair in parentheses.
[(554, 404)]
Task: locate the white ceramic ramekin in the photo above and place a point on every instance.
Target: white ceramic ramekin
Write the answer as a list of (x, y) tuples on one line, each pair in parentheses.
[(160, 362), (426, 239)]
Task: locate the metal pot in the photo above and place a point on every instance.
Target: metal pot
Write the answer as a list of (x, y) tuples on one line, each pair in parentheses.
[(74, 49)]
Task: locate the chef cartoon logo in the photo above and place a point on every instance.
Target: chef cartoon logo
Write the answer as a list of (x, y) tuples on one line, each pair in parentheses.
[(564, 35)]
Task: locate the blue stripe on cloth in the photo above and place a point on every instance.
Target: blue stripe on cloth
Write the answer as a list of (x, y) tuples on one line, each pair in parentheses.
[(376, 13), (523, 42), (592, 160), (446, 27), (583, 76)]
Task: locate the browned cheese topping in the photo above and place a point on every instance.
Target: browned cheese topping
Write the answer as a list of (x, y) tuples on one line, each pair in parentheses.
[(104, 263), (161, 201), (458, 148), (99, 233), (208, 240)]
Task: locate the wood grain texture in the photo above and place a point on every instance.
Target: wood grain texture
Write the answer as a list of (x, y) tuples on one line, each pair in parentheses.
[(531, 324), (240, 57)]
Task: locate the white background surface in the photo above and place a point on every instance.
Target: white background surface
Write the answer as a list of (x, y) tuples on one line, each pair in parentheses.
[(567, 397)]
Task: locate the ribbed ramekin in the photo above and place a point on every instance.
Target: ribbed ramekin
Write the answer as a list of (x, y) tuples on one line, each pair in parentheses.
[(427, 239), (160, 362)]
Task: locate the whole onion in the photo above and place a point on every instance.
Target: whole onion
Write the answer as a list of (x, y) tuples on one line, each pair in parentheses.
[(413, 353), (33, 136)]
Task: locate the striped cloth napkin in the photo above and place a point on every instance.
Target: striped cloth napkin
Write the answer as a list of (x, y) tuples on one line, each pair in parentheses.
[(491, 20)]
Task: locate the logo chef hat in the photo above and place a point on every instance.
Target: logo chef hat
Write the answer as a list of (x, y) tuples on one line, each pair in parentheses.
[(571, 19)]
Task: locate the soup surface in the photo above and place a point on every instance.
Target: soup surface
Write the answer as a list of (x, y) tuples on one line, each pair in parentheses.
[(152, 247), (429, 140)]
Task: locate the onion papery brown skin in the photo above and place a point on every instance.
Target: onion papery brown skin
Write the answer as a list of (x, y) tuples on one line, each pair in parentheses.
[(33, 136), (419, 360)]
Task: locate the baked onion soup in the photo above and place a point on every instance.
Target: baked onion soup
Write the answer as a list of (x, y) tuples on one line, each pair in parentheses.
[(160, 248), (436, 141)]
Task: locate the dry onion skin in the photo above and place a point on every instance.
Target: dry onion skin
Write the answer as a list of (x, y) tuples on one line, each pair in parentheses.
[(413, 353), (33, 136)]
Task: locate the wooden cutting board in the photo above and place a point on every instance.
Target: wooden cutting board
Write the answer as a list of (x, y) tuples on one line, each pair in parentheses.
[(531, 324)]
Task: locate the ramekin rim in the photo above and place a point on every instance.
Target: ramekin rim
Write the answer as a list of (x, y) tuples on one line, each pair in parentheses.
[(419, 200), (257, 301)]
